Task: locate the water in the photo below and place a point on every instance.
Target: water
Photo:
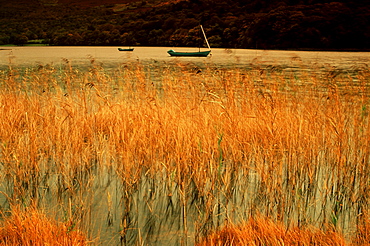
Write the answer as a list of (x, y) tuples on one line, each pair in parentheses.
[(110, 57), (156, 212)]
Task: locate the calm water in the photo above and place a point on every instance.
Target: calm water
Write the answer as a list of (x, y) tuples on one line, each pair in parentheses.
[(110, 57)]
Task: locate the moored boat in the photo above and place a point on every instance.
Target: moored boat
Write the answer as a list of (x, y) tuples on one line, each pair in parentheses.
[(197, 53), (126, 49)]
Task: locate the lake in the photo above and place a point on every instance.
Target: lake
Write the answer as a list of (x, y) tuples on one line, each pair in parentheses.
[(110, 57), (162, 210)]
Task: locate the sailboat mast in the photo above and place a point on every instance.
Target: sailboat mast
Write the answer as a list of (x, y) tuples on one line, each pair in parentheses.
[(205, 37), (199, 43)]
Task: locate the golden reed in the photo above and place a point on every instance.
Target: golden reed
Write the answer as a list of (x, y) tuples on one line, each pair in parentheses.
[(303, 135)]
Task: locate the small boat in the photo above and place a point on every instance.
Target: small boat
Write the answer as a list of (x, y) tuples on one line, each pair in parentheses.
[(196, 54), (126, 49)]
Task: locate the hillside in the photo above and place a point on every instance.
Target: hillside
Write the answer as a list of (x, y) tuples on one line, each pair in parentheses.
[(304, 24)]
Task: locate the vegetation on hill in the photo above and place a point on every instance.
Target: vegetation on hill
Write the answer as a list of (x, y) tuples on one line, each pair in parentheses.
[(304, 24)]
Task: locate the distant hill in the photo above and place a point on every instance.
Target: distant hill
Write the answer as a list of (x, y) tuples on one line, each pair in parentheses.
[(287, 24), (19, 4)]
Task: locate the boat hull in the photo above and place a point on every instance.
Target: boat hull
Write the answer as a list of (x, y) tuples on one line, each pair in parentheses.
[(193, 54), (129, 49)]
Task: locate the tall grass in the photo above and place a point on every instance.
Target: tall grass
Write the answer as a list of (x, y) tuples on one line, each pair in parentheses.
[(30, 227), (226, 143), (262, 231)]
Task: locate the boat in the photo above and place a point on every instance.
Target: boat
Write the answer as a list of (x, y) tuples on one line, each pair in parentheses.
[(197, 54), (194, 54), (126, 49)]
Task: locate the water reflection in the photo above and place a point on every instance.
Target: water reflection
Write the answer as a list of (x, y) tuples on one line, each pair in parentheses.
[(158, 211)]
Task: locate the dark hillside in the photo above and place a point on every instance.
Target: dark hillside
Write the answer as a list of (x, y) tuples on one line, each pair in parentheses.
[(304, 24)]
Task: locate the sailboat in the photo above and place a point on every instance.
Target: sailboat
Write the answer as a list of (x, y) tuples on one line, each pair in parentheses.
[(126, 49), (196, 54)]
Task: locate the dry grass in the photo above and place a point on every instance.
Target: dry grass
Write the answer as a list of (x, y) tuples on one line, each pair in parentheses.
[(264, 231), (260, 232), (291, 146), (30, 227)]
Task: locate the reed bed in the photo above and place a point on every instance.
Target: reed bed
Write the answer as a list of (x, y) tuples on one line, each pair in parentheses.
[(262, 231), (203, 146), (30, 227)]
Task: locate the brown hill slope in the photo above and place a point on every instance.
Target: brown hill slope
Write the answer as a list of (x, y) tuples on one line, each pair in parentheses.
[(82, 3)]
